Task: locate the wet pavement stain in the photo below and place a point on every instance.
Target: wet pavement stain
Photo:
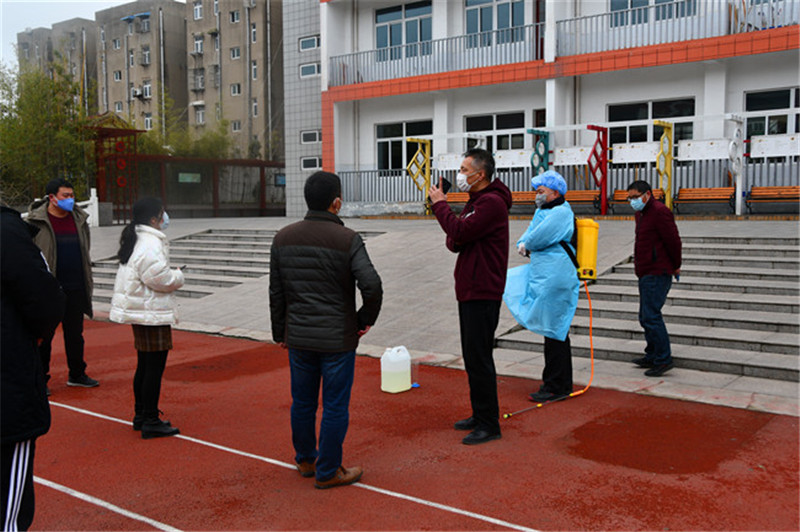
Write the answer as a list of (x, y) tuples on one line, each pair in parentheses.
[(677, 441), (255, 361)]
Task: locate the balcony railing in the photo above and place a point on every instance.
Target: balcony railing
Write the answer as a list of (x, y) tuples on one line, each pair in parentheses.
[(500, 47), (671, 22)]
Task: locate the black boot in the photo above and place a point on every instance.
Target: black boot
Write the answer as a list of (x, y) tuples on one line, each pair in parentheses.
[(155, 428)]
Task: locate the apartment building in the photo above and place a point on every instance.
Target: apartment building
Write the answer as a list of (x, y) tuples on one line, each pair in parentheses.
[(302, 104), (73, 44), (235, 63), (142, 60), (467, 72)]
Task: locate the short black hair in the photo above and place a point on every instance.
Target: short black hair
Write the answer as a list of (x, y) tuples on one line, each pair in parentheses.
[(640, 186), (483, 160), (54, 184), (321, 189)]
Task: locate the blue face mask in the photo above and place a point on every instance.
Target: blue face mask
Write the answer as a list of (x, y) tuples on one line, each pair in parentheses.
[(164, 221), (637, 204), (67, 204)]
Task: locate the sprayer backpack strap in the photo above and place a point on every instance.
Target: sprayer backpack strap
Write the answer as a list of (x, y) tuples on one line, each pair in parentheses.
[(574, 242)]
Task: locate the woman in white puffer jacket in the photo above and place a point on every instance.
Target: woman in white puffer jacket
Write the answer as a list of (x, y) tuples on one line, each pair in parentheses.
[(143, 297)]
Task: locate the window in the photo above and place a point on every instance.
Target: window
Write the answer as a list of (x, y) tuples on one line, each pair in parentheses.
[(197, 8), (408, 24), (308, 43), (236, 89), (147, 89), (198, 44), (145, 55), (497, 130), (311, 137), (624, 12), (236, 125), (116, 44), (148, 121), (254, 69), (133, 91), (144, 26), (253, 32), (118, 75), (216, 42), (310, 163), (309, 70), (234, 16), (117, 107), (236, 52), (131, 58), (255, 106), (200, 114), (102, 35), (130, 28), (771, 123), (216, 7), (199, 79), (647, 111), (500, 21), (393, 151)]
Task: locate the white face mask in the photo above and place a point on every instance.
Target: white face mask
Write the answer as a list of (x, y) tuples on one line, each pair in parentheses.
[(461, 182), (541, 199), (164, 221)]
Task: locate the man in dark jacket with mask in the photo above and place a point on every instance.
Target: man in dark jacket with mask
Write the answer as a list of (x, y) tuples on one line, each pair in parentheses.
[(64, 240), (480, 237), (656, 258), (32, 305), (315, 266)]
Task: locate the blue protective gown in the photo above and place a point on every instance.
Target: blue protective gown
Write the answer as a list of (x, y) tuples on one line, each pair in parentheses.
[(543, 295)]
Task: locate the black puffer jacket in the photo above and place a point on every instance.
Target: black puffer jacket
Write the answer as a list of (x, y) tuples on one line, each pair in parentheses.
[(32, 306), (315, 266)]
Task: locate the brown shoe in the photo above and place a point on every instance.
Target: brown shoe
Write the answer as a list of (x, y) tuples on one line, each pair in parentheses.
[(306, 469), (343, 477)]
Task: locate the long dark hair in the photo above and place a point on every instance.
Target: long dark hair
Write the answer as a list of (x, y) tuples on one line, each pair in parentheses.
[(143, 210)]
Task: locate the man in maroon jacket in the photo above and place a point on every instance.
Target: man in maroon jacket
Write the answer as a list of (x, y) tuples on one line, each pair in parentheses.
[(480, 237), (656, 257)]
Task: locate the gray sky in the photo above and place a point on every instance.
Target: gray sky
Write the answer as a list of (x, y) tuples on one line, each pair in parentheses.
[(16, 15)]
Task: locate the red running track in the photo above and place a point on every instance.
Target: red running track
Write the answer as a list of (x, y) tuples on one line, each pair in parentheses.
[(602, 461)]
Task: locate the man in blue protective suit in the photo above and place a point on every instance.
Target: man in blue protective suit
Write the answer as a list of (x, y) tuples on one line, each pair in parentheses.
[(543, 295)]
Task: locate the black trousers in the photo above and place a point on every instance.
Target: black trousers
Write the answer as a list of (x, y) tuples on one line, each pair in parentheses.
[(72, 326), (17, 484), (147, 382), (557, 374), (478, 322)]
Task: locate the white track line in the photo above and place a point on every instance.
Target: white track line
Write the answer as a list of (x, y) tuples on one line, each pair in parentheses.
[(397, 495), (103, 504)]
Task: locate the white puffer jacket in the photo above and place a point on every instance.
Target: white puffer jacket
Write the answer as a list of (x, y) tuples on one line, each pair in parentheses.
[(144, 286)]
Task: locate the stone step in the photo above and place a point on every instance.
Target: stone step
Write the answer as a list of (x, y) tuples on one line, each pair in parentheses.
[(233, 262), (201, 250), (263, 239), (757, 241), (213, 245), (730, 286), (743, 340), (734, 261), (187, 291), (235, 231), (224, 271), (191, 279), (719, 360), (740, 250), (752, 274), (705, 317), (706, 299)]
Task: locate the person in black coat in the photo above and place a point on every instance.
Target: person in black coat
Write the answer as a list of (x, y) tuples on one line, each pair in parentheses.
[(32, 307)]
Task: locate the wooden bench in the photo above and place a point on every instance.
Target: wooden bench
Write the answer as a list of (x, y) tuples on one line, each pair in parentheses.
[(787, 194), (528, 197), (620, 197), (687, 196), (584, 197)]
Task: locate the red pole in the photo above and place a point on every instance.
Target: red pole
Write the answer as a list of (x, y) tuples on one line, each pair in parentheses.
[(598, 164)]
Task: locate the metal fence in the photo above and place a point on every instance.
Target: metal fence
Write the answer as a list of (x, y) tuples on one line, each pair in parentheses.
[(671, 22), (396, 186), (500, 47)]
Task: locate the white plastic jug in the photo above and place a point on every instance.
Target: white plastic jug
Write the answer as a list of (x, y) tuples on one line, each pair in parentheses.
[(396, 370)]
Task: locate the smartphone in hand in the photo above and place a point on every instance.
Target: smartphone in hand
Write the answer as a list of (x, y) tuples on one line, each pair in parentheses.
[(445, 187)]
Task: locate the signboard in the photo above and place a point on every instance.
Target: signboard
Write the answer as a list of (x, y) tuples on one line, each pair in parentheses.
[(512, 158), (571, 156), (775, 145), (703, 150), (635, 152), (448, 161), (189, 178)]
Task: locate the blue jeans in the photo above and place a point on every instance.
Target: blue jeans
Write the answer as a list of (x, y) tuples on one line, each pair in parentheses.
[(335, 371), (653, 290)]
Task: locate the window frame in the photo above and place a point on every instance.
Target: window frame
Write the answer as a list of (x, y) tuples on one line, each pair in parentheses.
[(235, 17), (236, 53), (197, 9), (317, 73), (316, 43), (236, 126), (117, 76), (315, 159), (236, 89), (317, 136), (396, 145), (403, 32)]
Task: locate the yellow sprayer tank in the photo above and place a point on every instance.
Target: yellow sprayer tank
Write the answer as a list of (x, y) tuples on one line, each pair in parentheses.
[(588, 234)]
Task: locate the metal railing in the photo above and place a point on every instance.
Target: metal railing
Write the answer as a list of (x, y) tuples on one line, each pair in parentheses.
[(661, 23), (500, 47)]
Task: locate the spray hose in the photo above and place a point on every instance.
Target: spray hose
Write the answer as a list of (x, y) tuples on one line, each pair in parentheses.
[(591, 375)]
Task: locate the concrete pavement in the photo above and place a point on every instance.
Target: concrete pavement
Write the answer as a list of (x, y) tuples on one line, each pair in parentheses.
[(420, 309)]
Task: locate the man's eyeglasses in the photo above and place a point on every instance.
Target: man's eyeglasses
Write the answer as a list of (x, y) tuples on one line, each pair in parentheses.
[(633, 197)]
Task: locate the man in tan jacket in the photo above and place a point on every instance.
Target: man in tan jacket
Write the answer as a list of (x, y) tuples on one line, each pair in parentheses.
[(64, 240)]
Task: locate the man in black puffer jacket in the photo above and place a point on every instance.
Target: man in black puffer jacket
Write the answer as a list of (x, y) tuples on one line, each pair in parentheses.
[(32, 306), (315, 266)]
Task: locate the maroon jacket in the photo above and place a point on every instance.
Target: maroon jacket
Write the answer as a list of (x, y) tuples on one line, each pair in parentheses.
[(480, 237), (657, 250)]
